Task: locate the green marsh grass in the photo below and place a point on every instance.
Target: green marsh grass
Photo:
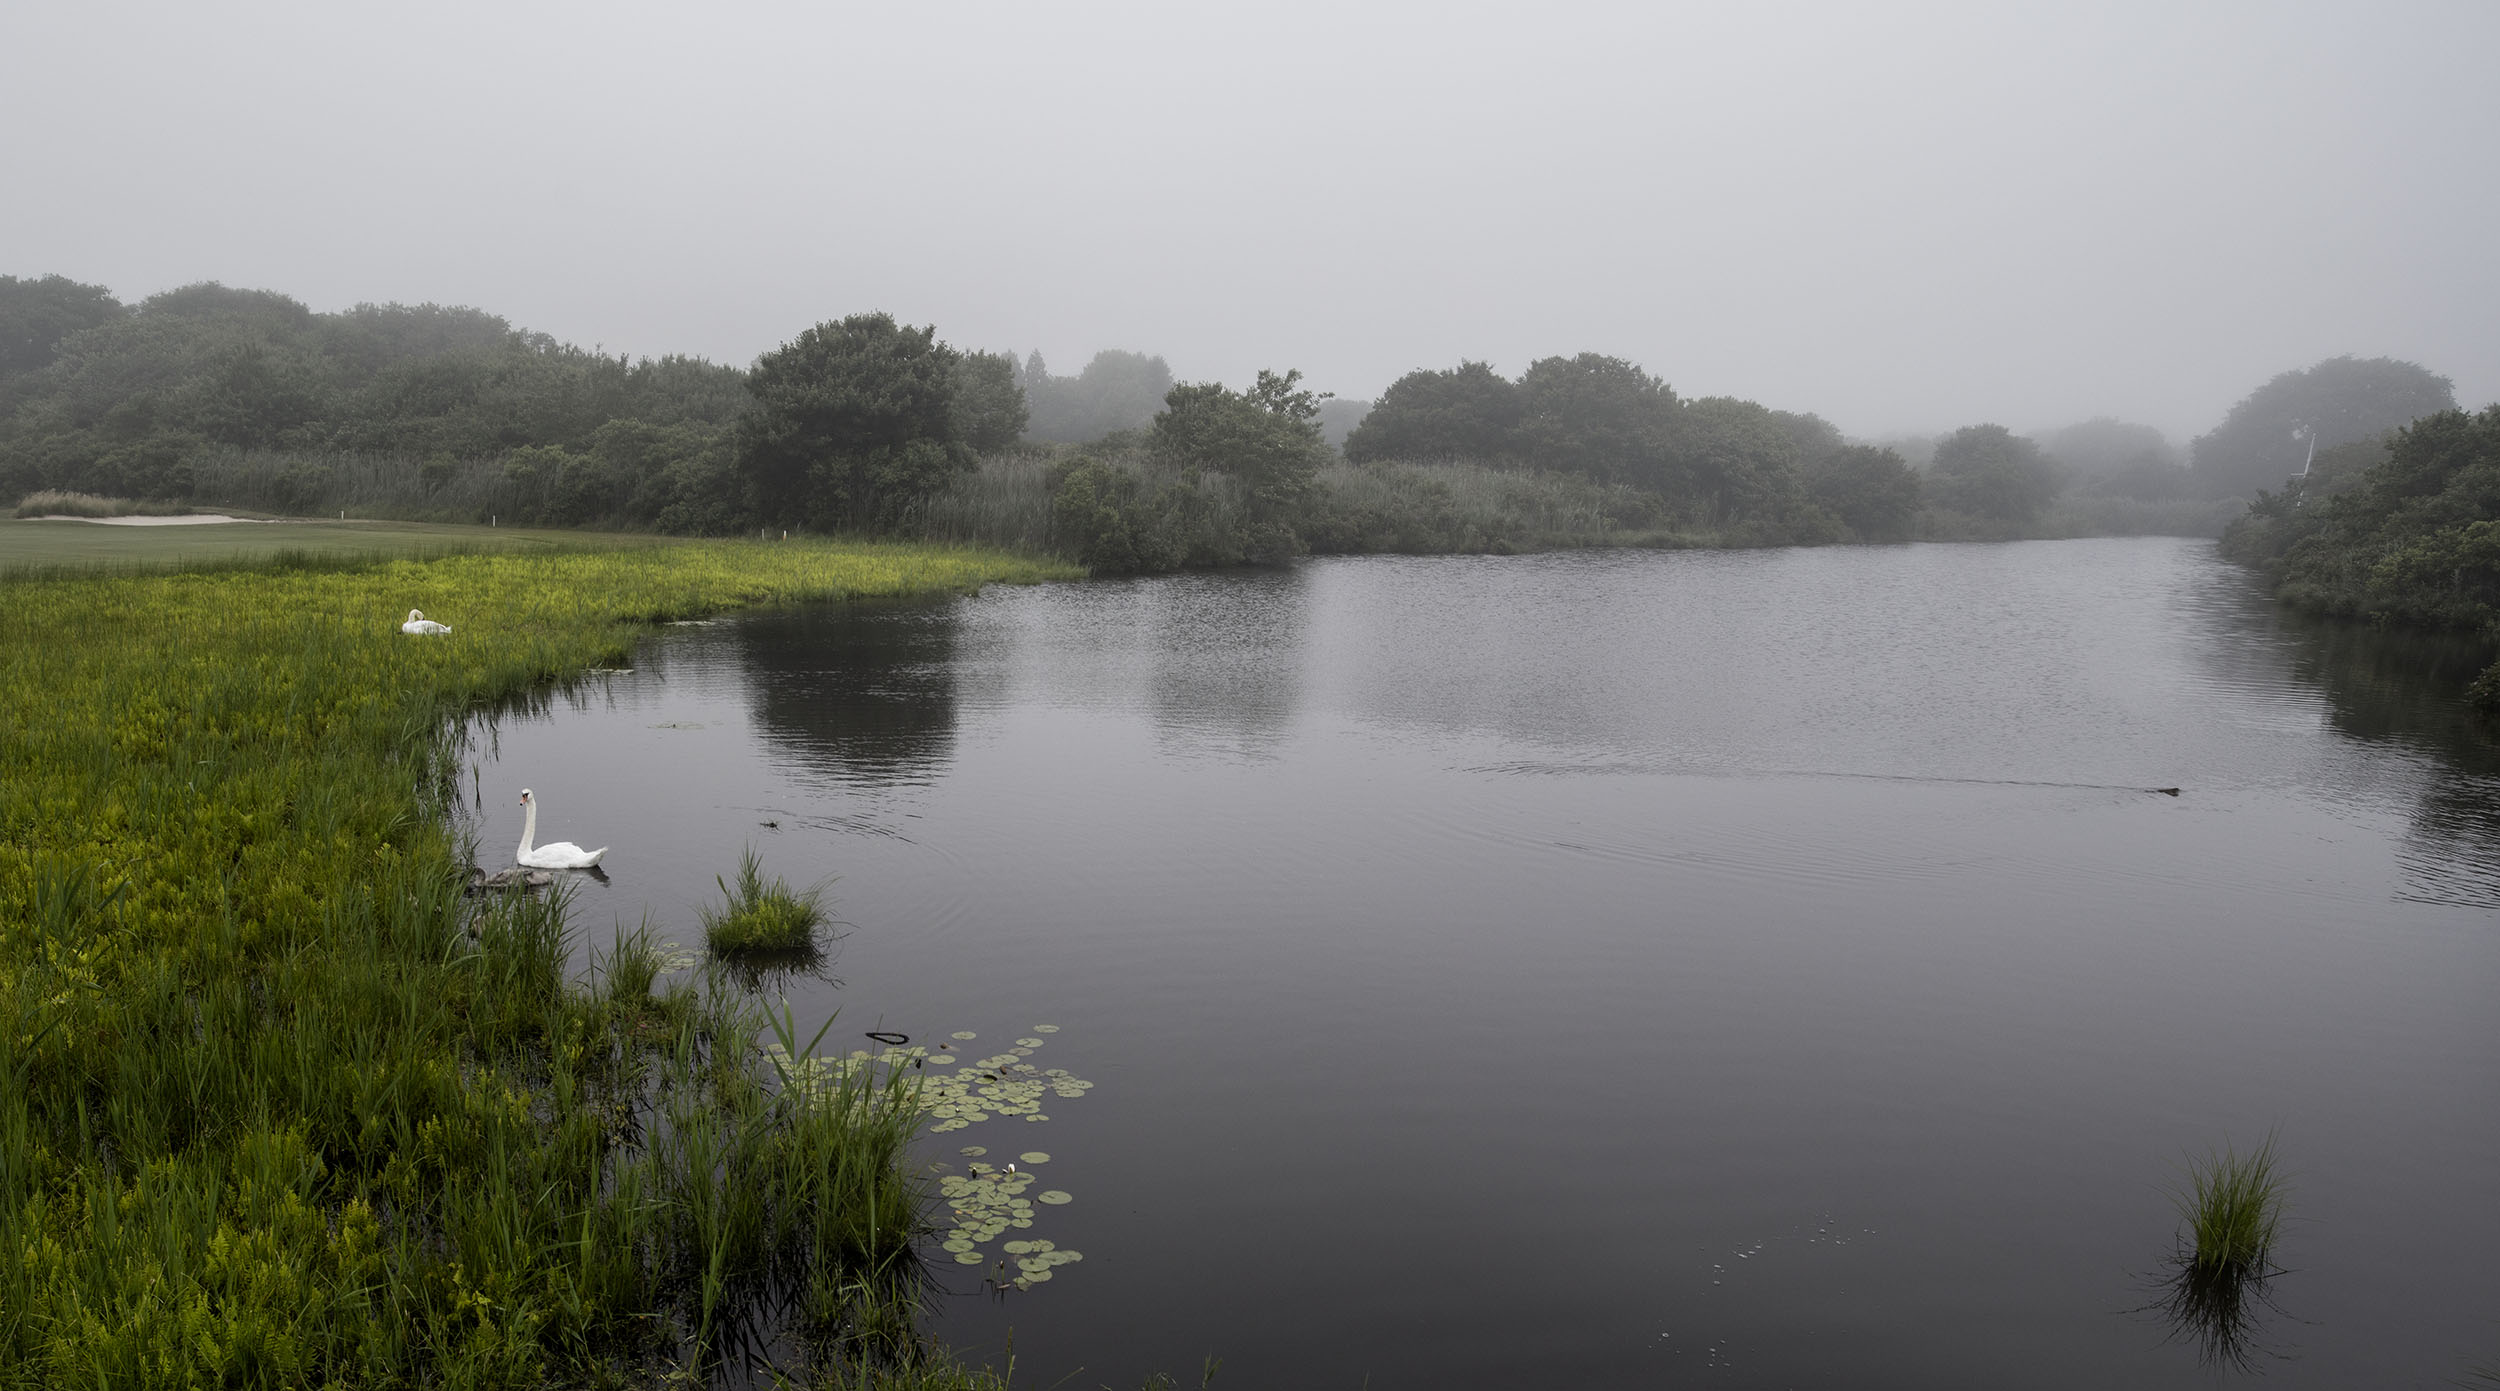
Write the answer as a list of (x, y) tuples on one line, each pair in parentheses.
[(2232, 1208), (1005, 503), (2217, 1291), (280, 1105), (760, 915)]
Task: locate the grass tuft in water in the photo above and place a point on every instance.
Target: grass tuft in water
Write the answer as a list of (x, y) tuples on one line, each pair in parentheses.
[(762, 916), (2218, 1291), (2233, 1208)]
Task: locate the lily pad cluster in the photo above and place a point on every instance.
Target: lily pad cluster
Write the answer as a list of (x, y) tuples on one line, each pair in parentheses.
[(1003, 1084), (988, 1201), (956, 1092)]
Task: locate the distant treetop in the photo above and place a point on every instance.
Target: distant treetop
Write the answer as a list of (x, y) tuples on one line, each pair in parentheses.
[(2267, 436)]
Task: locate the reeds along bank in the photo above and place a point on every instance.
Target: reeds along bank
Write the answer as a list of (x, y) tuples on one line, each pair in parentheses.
[(282, 1106)]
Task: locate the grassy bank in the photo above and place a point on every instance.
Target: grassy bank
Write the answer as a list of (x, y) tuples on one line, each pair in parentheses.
[(283, 1108)]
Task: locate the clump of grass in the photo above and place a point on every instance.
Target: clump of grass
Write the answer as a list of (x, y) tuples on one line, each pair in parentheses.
[(760, 916), (2233, 1208), (2218, 1289), (51, 502)]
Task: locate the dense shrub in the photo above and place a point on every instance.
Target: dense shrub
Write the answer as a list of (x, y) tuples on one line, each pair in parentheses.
[(2414, 540)]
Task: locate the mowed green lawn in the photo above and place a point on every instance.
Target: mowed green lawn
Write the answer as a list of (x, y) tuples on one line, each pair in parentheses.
[(39, 546)]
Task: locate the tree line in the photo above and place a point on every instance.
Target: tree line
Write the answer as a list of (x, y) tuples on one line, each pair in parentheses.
[(247, 397)]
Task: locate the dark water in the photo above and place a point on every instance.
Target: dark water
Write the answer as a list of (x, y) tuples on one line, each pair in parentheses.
[(1754, 969)]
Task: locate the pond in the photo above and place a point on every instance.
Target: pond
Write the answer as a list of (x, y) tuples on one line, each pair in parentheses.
[(1765, 968)]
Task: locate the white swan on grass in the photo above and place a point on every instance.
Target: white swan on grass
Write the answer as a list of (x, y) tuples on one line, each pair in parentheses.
[(421, 625), (563, 854)]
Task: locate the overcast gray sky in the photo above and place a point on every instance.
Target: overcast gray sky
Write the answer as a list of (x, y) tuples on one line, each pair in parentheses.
[(1903, 217)]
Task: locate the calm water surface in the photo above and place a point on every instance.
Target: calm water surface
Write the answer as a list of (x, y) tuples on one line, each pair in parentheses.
[(1748, 969)]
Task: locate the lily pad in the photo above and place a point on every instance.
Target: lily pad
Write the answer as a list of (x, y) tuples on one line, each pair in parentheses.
[(963, 1033), (974, 1151), (1034, 1157), (1045, 1028), (968, 1258), (1055, 1197)]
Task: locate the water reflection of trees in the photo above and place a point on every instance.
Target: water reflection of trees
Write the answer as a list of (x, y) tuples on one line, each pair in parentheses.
[(1227, 654), (2408, 690), (859, 693)]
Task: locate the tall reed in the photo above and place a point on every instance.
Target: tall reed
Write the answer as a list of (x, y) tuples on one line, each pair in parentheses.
[(51, 502), (302, 482), (1005, 503)]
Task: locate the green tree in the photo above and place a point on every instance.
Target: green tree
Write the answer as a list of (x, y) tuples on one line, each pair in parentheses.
[(370, 337), (989, 408), (1108, 516), (1285, 396), (854, 424), (1468, 412), (2415, 539), (122, 403), (1258, 440), (2106, 445), (263, 312), (36, 314), (1599, 416), (1814, 437), (1265, 437), (1735, 459), (1873, 491), (2267, 436), (1339, 417), (1116, 391), (1989, 471), (681, 390)]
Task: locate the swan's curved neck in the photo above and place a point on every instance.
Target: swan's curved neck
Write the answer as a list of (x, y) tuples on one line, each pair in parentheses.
[(529, 824)]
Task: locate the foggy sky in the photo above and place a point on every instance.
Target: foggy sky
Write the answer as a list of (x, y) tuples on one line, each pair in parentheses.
[(1902, 217)]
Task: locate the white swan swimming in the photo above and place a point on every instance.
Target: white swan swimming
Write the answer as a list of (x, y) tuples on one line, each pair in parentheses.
[(563, 854), (421, 625)]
